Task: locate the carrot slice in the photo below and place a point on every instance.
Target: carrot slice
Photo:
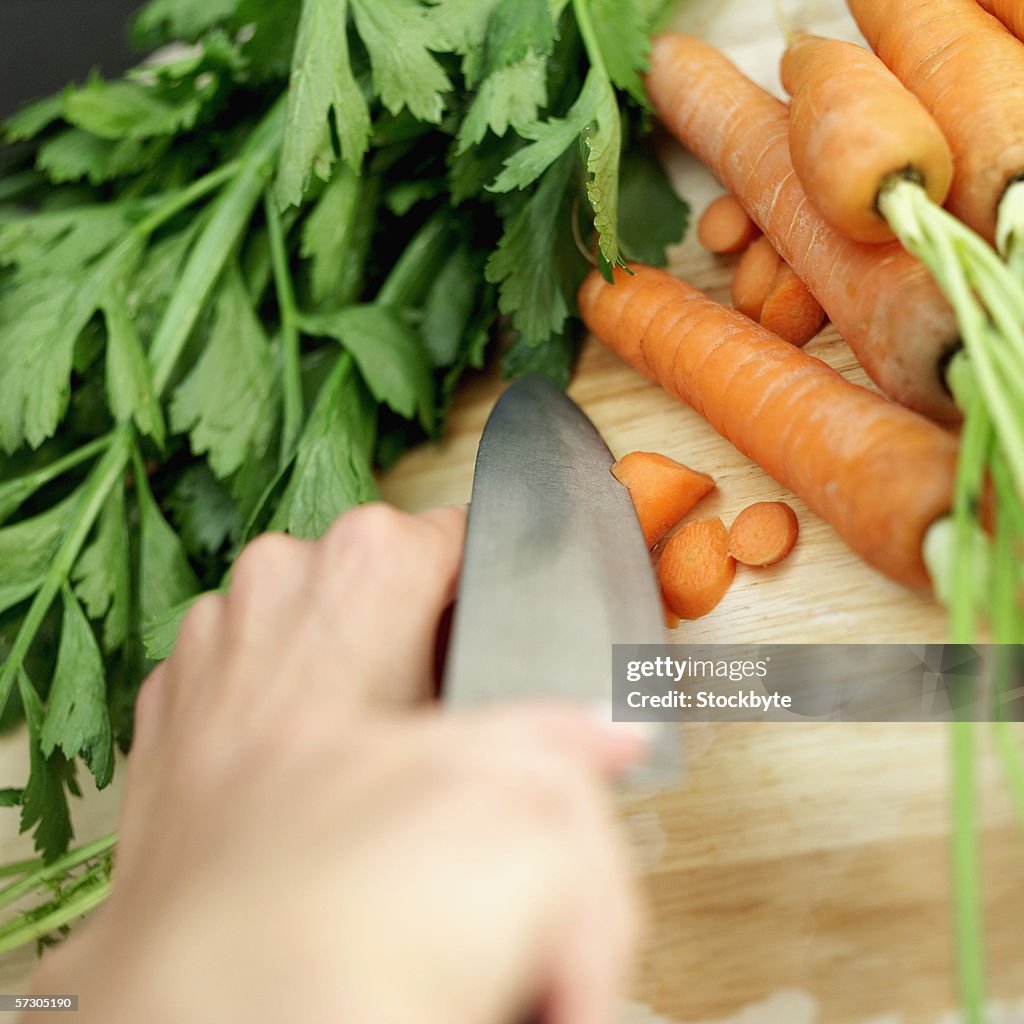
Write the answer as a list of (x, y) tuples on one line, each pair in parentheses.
[(753, 277), (663, 490), (763, 533), (725, 228), (696, 568), (790, 310)]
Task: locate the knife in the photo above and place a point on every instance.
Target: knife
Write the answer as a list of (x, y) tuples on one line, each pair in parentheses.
[(555, 571)]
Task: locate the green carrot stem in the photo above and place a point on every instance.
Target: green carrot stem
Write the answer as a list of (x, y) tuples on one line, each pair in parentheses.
[(1010, 228)]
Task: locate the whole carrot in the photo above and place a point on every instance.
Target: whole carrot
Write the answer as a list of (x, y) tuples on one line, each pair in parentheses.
[(853, 127), (969, 72), (880, 474), (882, 300)]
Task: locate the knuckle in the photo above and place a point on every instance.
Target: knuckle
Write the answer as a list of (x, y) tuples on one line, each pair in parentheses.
[(374, 528), (263, 559)]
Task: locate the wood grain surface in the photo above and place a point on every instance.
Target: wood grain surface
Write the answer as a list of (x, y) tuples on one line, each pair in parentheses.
[(801, 871)]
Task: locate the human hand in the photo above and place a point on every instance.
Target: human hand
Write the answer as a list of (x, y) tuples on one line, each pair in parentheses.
[(299, 842)]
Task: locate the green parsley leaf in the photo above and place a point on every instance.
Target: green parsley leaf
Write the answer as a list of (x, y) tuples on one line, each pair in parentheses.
[(333, 469), (165, 576), (603, 143), (390, 356), (622, 29), (167, 20), (74, 154), (550, 139), (399, 35), (204, 511), (127, 110), (509, 98), (34, 118), (529, 261), (27, 548), (449, 307), (44, 801), (651, 215), (77, 722), (102, 576), (336, 237), (129, 379), (515, 29), (321, 82), (229, 399), (552, 358)]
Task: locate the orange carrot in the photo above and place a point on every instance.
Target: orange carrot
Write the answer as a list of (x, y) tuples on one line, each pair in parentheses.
[(852, 126), (763, 533), (790, 310), (663, 490), (1009, 12), (696, 568), (968, 71), (882, 300), (880, 474), (724, 227), (752, 279)]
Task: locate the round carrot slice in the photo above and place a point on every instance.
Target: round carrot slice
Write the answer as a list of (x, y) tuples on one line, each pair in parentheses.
[(725, 227), (696, 568), (763, 533)]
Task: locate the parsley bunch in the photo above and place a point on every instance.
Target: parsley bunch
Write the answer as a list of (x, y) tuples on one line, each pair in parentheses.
[(236, 280)]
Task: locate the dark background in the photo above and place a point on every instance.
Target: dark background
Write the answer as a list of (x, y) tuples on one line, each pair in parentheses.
[(44, 44)]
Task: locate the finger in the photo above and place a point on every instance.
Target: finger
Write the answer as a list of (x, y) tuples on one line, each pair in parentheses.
[(607, 748), (150, 709), (385, 580)]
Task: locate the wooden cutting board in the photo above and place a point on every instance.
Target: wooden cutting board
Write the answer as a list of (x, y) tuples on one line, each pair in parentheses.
[(800, 874)]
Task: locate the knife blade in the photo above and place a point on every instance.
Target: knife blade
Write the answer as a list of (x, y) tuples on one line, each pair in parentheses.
[(556, 569)]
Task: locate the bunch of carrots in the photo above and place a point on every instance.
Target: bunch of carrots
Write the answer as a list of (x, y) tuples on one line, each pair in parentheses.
[(893, 196)]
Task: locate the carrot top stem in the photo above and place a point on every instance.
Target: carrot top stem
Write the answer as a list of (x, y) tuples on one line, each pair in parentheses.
[(1010, 228), (986, 298)]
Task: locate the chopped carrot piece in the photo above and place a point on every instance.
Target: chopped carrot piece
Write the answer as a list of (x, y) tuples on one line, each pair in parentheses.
[(696, 568), (763, 533), (725, 227), (753, 277), (663, 490), (790, 310)]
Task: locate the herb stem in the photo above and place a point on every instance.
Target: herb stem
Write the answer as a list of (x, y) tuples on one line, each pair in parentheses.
[(89, 891), (291, 353), (415, 268), (182, 200), (586, 26), (46, 873), (31, 482), (93, 495)]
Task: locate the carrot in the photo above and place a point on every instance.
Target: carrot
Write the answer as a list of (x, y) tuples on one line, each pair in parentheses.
[(752, 279), (663, 490), (969, 72), (880, 474), (724, 227), (790, 310), (696, 568), (763, 533), (853, 126), (881, 299), (1009, 12)]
